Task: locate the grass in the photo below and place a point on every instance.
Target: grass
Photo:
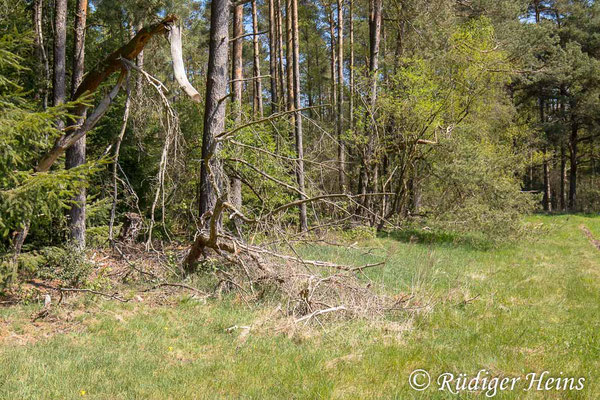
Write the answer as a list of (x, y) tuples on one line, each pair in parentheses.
[(531, 307)]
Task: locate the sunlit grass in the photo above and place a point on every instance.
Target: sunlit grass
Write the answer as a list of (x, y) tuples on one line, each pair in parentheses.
[(532, 306)]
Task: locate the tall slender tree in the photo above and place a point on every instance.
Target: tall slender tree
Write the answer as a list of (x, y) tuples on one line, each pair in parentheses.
[(214, 110), (273, 57), (75, 155), (298, 117), (340, 98), (280, 67), (258, 102), (289, 68), (332, 57), (40, 51), (60, 45), (237, 76), (369, 168)]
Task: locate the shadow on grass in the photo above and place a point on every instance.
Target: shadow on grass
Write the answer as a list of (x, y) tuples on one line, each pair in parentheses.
[(439, 238)]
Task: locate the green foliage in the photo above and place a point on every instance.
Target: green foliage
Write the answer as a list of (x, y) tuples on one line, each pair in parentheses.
[(479, 191), (26, 133), (67, 265), (531, 295)]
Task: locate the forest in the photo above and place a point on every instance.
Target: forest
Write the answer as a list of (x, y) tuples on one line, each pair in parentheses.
[(258, 181)]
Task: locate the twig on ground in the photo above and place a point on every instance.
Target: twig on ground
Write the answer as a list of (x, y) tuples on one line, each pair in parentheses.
[(319, 312), (179, 285), (112, 296)]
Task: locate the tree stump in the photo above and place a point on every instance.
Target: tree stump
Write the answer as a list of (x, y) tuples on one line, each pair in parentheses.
[(131, 228)]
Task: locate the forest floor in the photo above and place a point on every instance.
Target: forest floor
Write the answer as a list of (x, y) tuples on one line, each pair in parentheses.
[(528, 307)]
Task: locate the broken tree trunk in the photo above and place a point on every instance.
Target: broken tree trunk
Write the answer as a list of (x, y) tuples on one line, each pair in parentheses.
[(93, 79), (178, 67), (130, 51)]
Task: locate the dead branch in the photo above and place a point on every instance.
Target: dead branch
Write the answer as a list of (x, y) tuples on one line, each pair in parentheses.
[(588, 234), (224, 135), (319, 312), (248, 34), (71, 137), (178, 285), (112, 296), (129, 51), (174, 32)]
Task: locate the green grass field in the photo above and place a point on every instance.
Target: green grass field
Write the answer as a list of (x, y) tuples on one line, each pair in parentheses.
[(529, 307)]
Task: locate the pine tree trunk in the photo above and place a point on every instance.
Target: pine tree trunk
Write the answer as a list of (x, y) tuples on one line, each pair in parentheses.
[(351, 67), (273, 56), (214, 112), (369, 167), (280, 67), (298, 117), (237, 76), (332, 59), (572, 204), (75, 155), (547, 190), (563, 176), (289, 55), (309, 70), (40, 51), (340, 99), (60, 43), (258, 102), (547, 200)]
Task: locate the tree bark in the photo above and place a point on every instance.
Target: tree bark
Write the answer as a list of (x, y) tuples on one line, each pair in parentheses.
[(563, 176), (258, 102), (60, 43), (368, 168), (572, 203), (289, 55), (351, 67), (547, 200), (280, 67), (340, 99), (273, 57), (214, 111), (298, 119), (237, 76), (547, 189), (333, 58), (75, 155), (40, 51)]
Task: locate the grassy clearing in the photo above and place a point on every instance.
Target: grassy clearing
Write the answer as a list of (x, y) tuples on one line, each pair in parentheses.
[(538, 308)]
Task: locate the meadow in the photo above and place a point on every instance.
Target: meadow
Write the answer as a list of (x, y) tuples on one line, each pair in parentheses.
[(530, 306)]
